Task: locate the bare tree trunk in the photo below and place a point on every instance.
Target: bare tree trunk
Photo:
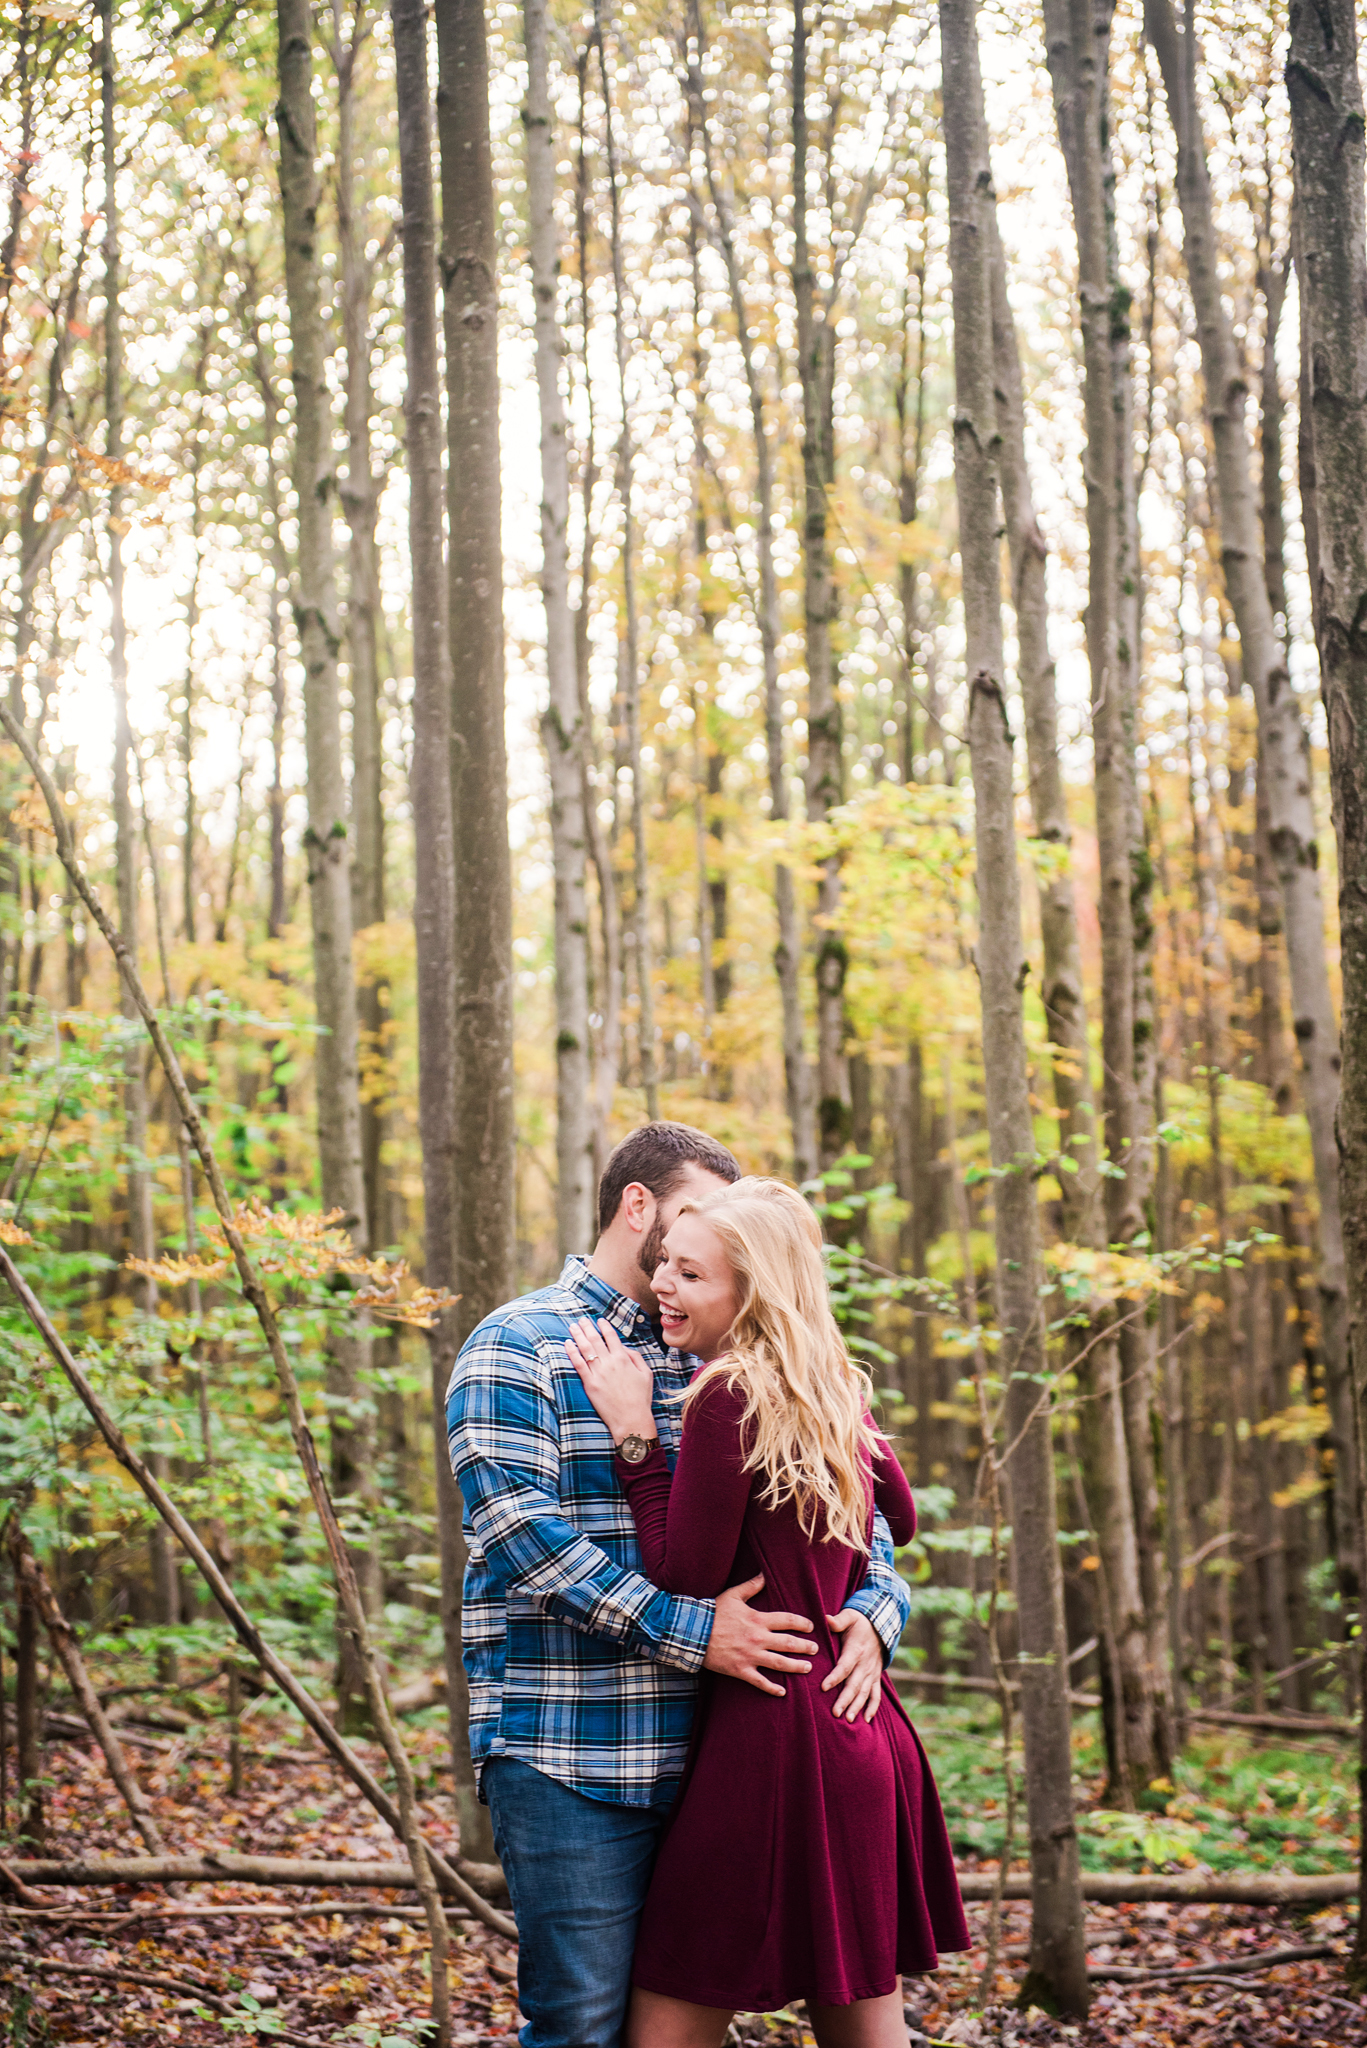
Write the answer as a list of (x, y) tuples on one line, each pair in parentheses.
[(561, 729), (788, 951), (485, 1184), (28, 1723), (825, 780), (360, 501), (1077, 63), (1283, 744), (631, 650), (1057, 1973), (336, 1059), (141, 1235), (434, 904), (1327, 129)]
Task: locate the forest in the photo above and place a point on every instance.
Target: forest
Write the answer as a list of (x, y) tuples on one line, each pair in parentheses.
[(797, 568)]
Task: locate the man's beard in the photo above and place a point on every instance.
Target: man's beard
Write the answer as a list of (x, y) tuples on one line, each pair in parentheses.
[(652, 1251)]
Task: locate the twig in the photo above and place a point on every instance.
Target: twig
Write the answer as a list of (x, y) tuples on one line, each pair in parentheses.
[(31, 1574), (1206, 1972)]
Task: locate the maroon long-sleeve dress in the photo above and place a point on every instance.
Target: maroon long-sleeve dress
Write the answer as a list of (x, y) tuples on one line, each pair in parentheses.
[(805, 1857)]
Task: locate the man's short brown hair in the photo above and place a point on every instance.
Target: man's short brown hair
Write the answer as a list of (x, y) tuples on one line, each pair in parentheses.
[(656, 1156)]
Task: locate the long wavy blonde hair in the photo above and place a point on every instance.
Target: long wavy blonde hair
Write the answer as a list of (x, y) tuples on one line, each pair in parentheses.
[(806, 1401)]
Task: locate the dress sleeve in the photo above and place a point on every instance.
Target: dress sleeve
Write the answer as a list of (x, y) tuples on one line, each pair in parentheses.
[(688, 1525), (893, 1495)]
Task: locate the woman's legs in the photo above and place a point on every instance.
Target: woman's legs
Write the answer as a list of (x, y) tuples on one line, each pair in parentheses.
[(868, 2023), (654, 2021)]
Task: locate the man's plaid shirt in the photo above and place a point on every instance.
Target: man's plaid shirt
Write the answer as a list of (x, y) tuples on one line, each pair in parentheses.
[(578, 1666)]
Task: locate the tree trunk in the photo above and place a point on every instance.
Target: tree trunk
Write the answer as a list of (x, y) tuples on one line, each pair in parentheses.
[(1057, 1972), (360, 501), (630, 652), (336, 1058), (28, 1723), (434, 904), (825, 779), (1327, 130), (141, 1234), (788, 950), (1077, 63), (561, 729), (484, 1158), (1283, 745)]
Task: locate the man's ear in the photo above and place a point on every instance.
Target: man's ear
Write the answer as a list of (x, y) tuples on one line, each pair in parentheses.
[(638, 1207)]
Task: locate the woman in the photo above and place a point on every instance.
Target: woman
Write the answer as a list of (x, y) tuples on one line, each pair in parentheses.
[(806, 1856)]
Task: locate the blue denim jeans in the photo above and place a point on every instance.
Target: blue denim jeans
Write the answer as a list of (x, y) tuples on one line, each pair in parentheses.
[(577, 1872)]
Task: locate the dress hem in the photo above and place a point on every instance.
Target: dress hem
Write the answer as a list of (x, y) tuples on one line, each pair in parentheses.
[(749, 2002)]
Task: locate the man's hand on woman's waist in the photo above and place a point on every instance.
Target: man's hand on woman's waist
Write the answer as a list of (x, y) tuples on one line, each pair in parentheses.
[(745, 1643)]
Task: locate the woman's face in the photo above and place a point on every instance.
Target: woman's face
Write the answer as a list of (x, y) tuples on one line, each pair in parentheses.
[(696, 1288)]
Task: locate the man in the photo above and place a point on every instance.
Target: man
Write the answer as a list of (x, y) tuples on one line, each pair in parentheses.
[(583, 1674)]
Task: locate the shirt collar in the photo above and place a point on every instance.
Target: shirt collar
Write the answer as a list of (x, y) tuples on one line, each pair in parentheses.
[(627, 1317)]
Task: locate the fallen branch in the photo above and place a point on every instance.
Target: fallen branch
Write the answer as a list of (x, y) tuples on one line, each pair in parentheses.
[(1272, 1724), (1195, 1888), (71, 1728), (955, 1681), (1119, 1973), (35, 1580), (1105, 1887), (187, 1987), (211, 1867), (325, 1909), (401, 1816), (246, 1630), (1277, 1724)]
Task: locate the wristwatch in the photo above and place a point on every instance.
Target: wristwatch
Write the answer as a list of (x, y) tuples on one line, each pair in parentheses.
[(636, 1449)]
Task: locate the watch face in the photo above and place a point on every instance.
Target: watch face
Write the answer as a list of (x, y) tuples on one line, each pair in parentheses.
[(634, 1449)]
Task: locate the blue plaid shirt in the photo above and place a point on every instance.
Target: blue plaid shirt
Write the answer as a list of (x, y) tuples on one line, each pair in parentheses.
[(578, 1666)]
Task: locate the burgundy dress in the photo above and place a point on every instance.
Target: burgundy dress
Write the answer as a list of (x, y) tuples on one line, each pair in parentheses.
[(805, 1857)]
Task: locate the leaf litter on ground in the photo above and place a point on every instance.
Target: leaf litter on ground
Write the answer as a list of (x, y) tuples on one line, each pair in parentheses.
[(356, 1975)]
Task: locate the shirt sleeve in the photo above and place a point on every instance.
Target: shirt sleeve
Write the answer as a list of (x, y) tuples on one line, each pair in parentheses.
[(689, 1526), (884, 1597), (892, 1494), (504, 1442)]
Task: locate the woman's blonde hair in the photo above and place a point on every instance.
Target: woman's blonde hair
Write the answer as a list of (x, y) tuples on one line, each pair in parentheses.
[(806, 1402)]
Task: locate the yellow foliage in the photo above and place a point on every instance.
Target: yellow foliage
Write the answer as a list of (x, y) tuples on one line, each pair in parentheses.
[(305, 1246), (10, 1233), (1302, 1423)]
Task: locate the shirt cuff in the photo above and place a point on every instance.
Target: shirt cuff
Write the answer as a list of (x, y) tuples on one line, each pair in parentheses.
[(684, 1644), (885, 1613)]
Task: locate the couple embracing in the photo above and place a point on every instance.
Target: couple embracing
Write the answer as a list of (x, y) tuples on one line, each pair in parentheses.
[(678, 1608)]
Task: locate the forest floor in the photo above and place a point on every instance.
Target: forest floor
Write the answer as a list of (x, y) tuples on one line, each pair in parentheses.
[(360, 1982)]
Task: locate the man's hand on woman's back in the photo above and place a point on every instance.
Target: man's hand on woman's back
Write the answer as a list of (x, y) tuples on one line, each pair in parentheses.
[(746, 1643)]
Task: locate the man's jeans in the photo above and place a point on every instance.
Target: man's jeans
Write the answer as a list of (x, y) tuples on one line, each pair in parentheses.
[(577, 1871)]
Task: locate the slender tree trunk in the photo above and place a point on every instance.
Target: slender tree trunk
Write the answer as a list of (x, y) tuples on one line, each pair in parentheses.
[(1077, 61), (788, 951), (631, 650), (336, 1059), (359, 494), (560, 724), (484, 1156), (434, 905), (1327, 129), (825, 779), (1057, 1973), (28, 1723), (1284, 748), (141, 1234)]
